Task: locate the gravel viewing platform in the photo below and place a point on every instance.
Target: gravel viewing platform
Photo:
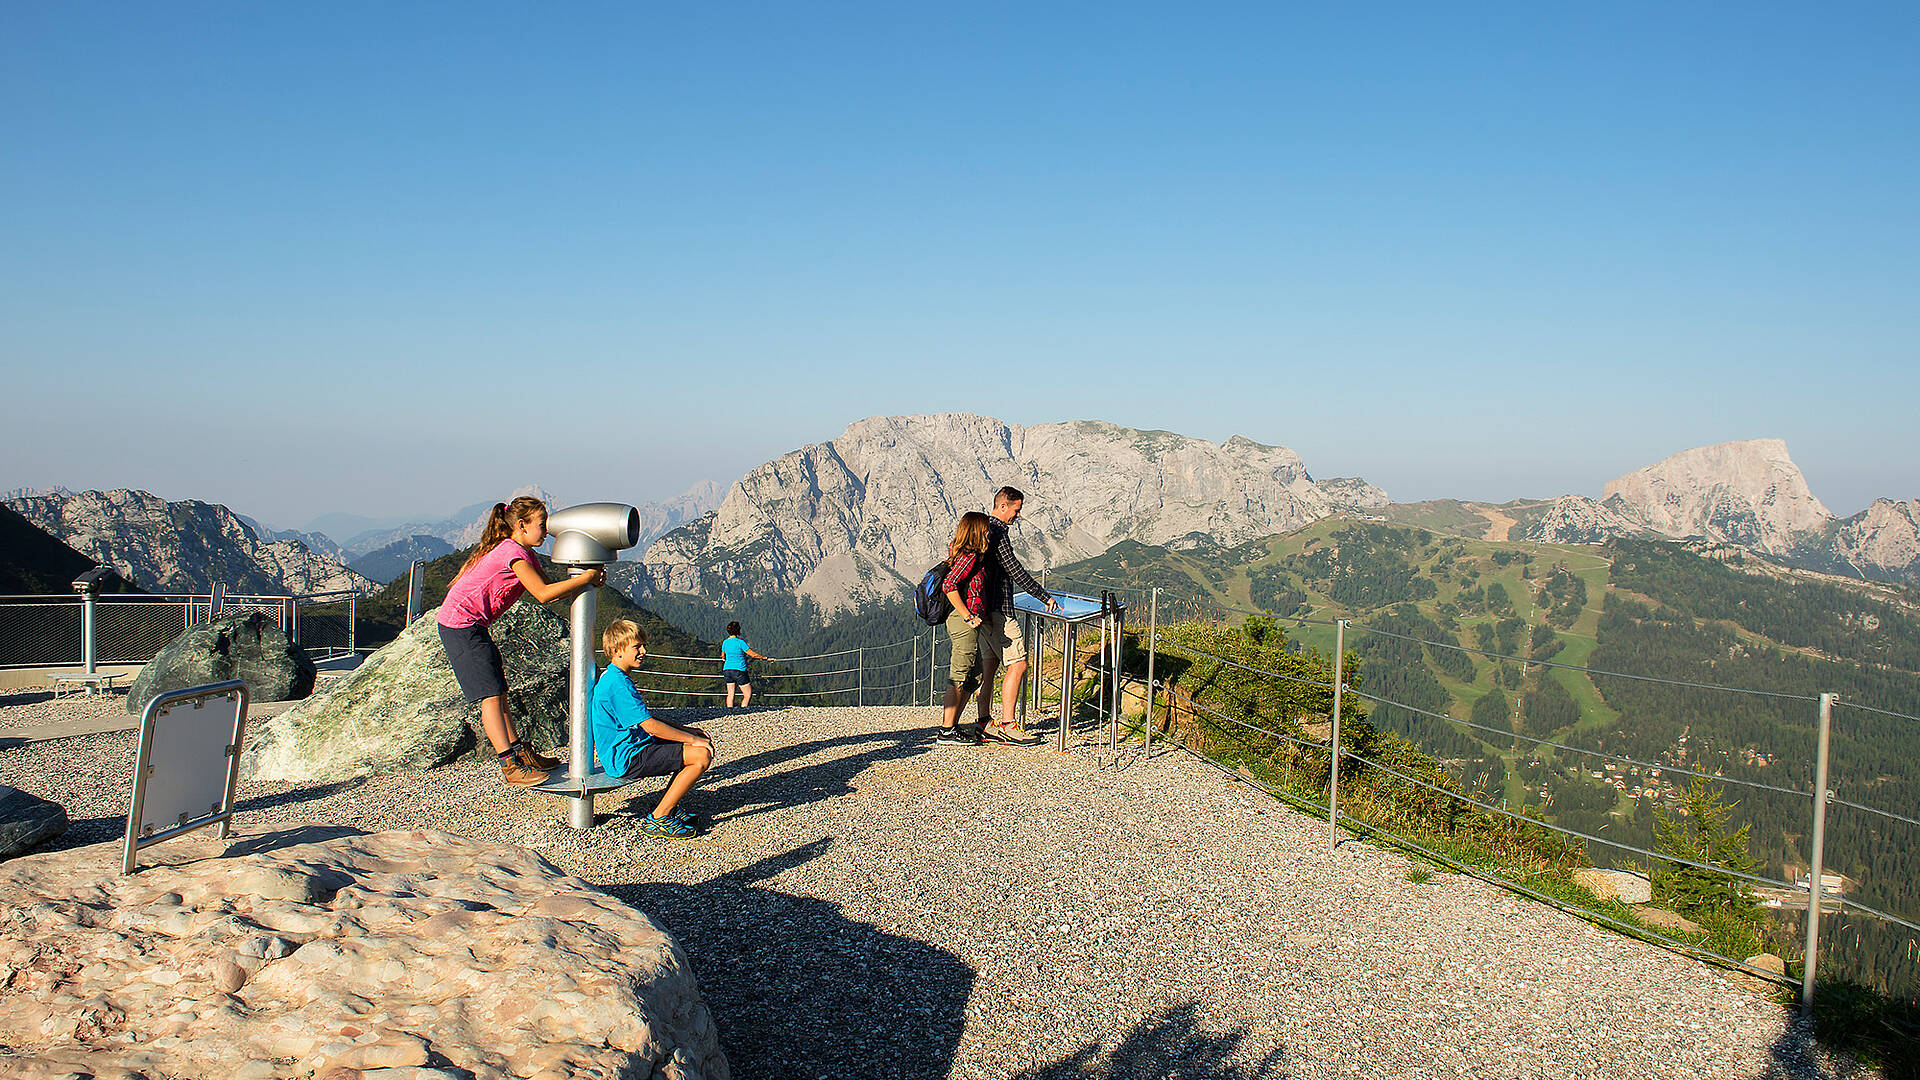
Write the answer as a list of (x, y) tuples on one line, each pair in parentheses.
[(867, 904)]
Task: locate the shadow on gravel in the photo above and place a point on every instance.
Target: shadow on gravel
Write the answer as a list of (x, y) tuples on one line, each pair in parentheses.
[(1170, 1044), (721, 797), (92, 830), (799, 990)]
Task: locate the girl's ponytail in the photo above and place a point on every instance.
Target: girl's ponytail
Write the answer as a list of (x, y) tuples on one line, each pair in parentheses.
[(495, 530)]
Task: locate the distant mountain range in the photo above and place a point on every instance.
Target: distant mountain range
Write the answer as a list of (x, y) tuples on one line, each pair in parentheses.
[(184, 546), (845, 524), (1748, 493), (187, 546)]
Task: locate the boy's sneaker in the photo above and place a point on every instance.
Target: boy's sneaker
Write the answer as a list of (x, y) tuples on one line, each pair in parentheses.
[(954, 736), (515, 771), (532, 759), (685, 816), (669, 827)]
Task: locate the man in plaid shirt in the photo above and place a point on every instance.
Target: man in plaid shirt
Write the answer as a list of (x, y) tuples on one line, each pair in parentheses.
[(1001, 641)]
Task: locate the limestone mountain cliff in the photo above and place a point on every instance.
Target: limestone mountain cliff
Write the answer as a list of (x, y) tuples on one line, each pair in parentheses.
[(1748, 493), (1570, 519), (182, 546), (1882, 541), (857, 516)]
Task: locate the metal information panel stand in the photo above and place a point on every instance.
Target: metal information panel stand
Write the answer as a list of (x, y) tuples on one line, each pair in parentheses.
[(1107, 612), (187, 765)]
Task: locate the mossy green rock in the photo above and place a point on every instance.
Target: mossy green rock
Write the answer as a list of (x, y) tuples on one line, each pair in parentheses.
[(402, 709), (245, 645)]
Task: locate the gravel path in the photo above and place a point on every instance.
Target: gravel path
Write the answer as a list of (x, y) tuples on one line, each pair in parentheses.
[(868, 904)]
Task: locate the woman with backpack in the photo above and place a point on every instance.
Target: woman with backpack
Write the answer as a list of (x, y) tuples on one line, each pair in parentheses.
[(966, 587)]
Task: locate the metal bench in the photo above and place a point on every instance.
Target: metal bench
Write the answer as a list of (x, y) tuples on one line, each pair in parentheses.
[(78, 682)]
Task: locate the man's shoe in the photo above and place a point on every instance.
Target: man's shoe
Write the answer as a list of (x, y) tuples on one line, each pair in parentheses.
[(953, 736), (533, 759), (514, 771)]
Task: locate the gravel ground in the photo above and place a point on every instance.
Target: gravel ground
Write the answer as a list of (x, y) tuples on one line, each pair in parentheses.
[(868, 904)]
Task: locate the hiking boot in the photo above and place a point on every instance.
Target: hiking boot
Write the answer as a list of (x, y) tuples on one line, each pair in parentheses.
[(667, 827), (954, 736), (533, 759), (515, 771)]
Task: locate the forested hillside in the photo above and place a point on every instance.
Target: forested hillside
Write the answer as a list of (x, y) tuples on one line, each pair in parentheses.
[(1473, 648)]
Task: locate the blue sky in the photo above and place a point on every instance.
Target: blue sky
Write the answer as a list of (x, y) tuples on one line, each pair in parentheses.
[(396, 259)]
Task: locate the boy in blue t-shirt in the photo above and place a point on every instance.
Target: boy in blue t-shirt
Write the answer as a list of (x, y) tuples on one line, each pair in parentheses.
[(630, 742), (733, 665)]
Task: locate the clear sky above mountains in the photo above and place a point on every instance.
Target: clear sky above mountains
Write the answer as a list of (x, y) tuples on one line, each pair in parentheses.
[(386, 259)]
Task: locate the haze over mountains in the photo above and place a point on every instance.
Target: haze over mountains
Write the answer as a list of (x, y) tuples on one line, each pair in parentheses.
[(847, 522)]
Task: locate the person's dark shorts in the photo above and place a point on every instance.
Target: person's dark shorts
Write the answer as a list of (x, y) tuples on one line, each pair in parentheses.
[(476, 661), (660, 757), (736, 678)]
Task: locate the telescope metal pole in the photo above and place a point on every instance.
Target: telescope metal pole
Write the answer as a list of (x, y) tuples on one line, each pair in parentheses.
[(586, 609)]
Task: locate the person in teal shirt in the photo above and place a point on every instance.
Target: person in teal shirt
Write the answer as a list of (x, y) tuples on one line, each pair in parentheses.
[(733, 665), (631, 742)]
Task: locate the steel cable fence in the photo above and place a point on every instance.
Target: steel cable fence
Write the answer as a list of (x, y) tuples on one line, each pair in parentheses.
[(1639, 781)]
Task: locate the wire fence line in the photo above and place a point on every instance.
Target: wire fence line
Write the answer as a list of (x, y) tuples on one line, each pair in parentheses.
[(1508, 733)]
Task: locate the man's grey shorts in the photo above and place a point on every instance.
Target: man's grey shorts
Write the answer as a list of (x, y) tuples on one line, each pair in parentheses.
[(1000, 640)]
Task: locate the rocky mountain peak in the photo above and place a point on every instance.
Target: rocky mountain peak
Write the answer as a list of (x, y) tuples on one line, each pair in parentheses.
[(183, 546), (889, 488), (1748, 493)]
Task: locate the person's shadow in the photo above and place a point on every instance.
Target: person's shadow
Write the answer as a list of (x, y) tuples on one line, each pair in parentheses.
[(1171, 1044), (720, 796), (797, 989)]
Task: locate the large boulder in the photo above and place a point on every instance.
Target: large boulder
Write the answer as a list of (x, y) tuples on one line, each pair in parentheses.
[(402, 709), (27, 821), (245, 645), (419, 952)]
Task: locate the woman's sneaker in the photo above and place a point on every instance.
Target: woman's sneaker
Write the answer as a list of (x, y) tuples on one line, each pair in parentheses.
[(954, 736), (670, 827)]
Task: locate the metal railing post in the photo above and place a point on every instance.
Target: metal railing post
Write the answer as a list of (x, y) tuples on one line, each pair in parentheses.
[(1153, 646), (860, 678), (913, 696), (416, 589), (87, 652), (353, 617), (1333, 742), (1818, 855)]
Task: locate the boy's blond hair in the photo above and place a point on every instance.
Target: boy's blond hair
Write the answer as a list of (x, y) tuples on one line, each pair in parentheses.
[(621, 632)]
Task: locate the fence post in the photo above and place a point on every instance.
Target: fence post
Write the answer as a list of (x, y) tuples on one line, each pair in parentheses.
[(1153, 645), (416, 588), (860, 678), (1818, 856), (216, 601), (1333, 743), (913, 698), (353, 616)]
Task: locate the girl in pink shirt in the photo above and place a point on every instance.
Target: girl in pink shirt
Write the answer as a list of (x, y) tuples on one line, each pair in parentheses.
[(501, 569)]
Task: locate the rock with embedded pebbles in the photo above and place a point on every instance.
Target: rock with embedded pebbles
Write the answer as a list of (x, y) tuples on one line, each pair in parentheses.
[(402, 708), (1621, 885), (27, 821), (245, 645), (400, 949)]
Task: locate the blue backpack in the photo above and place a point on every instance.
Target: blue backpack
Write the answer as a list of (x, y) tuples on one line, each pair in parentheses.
[(930, 596)]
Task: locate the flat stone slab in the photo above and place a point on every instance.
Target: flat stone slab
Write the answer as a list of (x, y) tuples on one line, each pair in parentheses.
[(271, 957)]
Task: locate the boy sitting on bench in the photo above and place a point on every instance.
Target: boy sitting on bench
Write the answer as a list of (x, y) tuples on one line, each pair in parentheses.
[(631, 743)]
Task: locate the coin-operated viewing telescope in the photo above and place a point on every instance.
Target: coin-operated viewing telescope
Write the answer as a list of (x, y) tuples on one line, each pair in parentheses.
[(586, 538)]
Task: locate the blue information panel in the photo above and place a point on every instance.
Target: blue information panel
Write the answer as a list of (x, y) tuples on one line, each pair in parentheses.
[(1073, 607)]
